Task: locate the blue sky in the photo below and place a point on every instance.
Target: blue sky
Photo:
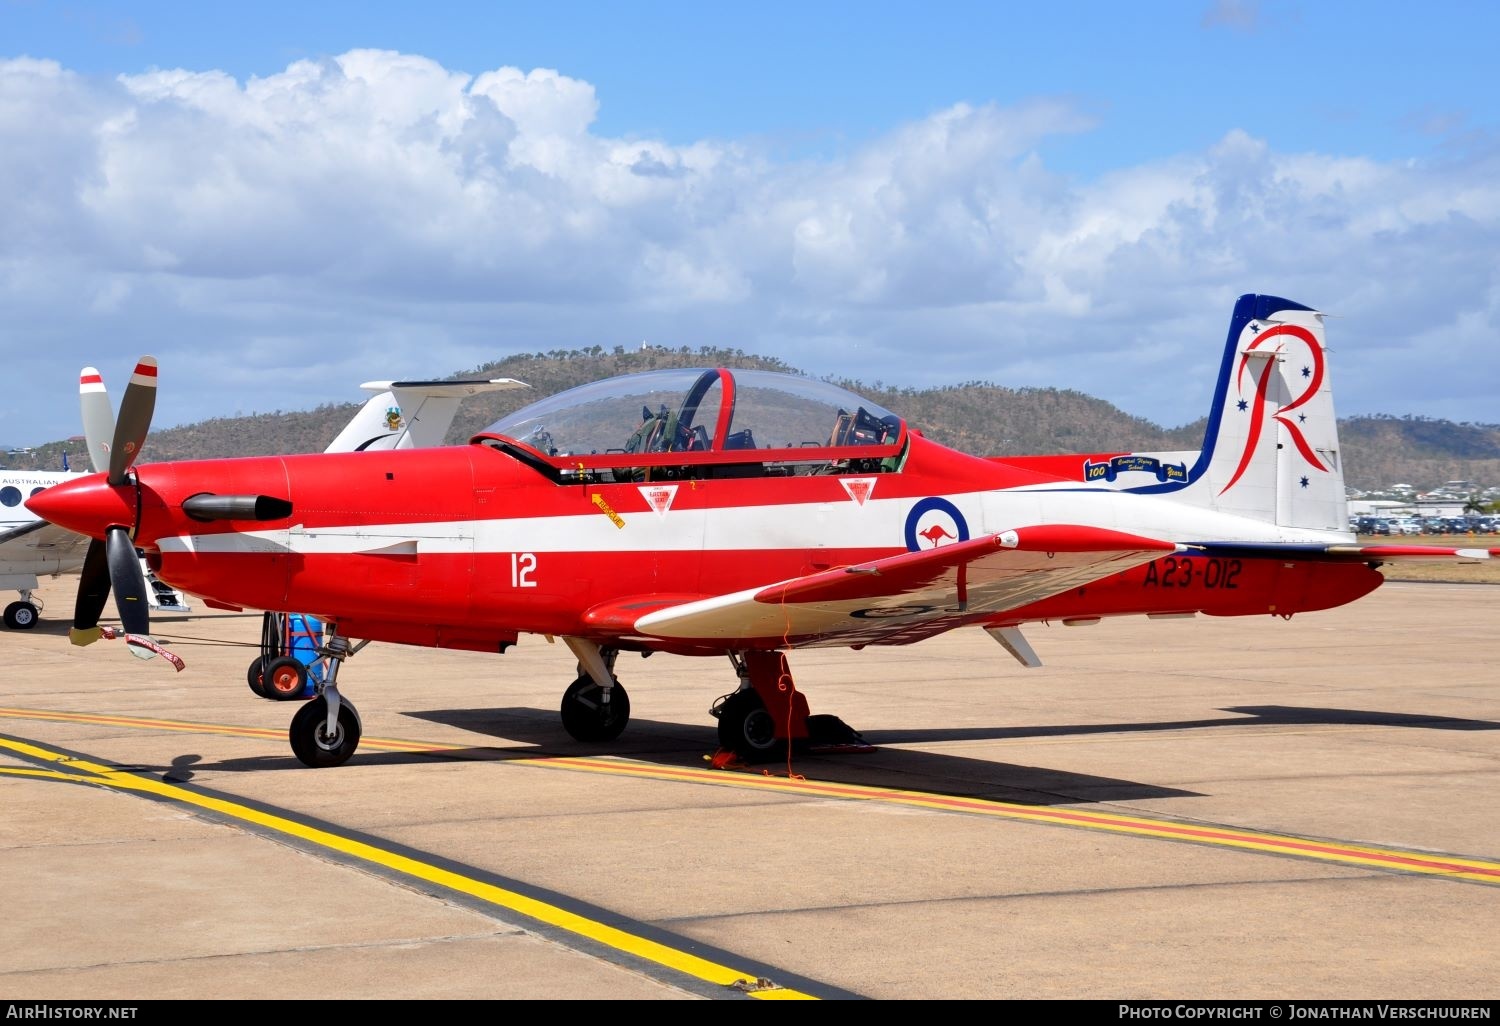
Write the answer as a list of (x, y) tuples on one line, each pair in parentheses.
[(282, 201)]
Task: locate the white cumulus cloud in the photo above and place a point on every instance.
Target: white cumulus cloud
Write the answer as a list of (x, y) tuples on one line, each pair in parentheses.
[(278, 240)]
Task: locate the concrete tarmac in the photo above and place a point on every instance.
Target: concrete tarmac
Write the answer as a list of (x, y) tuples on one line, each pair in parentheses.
[(1247, 808)]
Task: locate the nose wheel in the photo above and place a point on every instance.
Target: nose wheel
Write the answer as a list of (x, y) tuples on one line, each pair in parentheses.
[(325, 731), (588, 714), (314, 744)]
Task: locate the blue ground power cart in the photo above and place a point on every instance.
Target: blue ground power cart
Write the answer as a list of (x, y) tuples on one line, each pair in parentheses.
[(289, 666)]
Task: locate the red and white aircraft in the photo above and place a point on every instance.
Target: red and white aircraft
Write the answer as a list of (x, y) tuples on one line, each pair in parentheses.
[(741, 514)]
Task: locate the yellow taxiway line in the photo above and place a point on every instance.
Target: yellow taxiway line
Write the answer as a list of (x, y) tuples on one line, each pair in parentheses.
[(73, 769), (1473, 870)]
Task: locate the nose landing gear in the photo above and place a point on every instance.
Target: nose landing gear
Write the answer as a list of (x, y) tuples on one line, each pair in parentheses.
[(326, 730), (595, 707)]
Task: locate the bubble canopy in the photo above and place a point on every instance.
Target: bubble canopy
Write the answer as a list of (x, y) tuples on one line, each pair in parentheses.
[(697, 411)]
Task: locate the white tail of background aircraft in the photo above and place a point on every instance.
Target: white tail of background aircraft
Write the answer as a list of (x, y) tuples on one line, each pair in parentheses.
[(410, 414)]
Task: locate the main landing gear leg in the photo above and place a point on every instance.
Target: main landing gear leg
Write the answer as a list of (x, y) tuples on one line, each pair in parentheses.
[(768, 713), (326, 730), (595, 707)]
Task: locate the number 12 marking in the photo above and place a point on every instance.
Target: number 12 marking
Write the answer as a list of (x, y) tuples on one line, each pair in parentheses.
[(522, 566)]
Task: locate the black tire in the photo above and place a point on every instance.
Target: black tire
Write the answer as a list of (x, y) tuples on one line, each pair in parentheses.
[(21, 616), (285, 679), (586, 719), (312, 746), (255, 675), (747, 729)]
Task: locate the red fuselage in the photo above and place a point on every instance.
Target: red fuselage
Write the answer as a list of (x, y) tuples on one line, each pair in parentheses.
[(467, 546)]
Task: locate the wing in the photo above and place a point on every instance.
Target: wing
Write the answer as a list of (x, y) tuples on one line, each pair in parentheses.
[(41, 548), (911, 596)]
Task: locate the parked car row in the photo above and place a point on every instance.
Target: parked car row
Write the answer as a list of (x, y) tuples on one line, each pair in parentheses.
[(1424, 525)]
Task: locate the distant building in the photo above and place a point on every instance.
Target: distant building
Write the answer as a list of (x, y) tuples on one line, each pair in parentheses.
[(1378, 507), (1440, 507)]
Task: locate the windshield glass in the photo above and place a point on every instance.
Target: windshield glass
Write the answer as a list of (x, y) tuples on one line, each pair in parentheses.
[(698, 410)]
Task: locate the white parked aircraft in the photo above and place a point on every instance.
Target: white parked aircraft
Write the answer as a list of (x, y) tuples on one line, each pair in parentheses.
[(31, 548)]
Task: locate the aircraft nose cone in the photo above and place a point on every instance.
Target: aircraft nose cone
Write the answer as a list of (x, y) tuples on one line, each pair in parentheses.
[(88, 505)]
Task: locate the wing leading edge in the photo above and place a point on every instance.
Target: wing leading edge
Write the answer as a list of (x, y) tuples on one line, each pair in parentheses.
[(40, 547), (911, 596)]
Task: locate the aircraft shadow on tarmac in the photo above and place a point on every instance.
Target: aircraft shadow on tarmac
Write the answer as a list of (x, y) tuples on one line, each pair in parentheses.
[(687, 745)]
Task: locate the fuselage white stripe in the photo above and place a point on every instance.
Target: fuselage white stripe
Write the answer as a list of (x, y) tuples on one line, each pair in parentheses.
[(877, 524)]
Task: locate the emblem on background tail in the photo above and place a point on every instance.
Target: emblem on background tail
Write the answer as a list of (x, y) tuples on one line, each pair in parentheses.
[(393, 418), (1312, 374)]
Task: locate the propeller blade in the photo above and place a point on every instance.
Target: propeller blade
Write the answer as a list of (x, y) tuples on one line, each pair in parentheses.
[(98, 418), (93, 592), (136, 407), (129, 584)]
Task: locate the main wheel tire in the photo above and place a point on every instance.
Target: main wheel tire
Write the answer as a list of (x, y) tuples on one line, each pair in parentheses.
[(285, 679), (747, 728), (585, 718), (311, 743), (256, 676), (20, 616)]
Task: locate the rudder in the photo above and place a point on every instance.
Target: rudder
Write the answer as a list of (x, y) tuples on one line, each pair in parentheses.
[(1271, 449)]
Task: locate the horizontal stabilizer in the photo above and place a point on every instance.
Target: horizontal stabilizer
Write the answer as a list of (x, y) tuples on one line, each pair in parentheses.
[(410, 414), (1342, 552), (461, 389)]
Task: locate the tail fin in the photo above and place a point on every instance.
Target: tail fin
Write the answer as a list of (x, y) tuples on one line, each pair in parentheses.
[(1271, 449), (409, 414)]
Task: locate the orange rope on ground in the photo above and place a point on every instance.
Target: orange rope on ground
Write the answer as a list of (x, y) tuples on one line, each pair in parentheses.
[(785, 683)]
